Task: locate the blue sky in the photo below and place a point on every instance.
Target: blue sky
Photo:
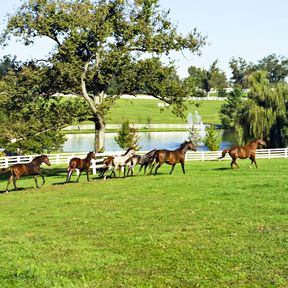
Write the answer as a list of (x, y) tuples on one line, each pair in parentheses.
[(251, 29)]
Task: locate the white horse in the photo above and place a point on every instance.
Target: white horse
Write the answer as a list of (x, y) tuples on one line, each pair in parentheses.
[(119, 161)]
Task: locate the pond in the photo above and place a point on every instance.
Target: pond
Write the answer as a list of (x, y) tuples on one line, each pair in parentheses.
[(147, 141)]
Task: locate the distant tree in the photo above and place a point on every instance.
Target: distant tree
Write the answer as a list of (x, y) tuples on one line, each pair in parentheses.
[(127, 137), (264, 113), (215, 78), (211, 138), (276, 67), (230, 109), (240, 71), (194, 136), (205, 80)]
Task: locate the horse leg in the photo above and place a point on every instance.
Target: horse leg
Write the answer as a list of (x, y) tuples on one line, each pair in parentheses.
[(173, 166), (11, 178), (69, 174), (157, 167), (36, 182), (87, 174), (253, 160), (183, 169), (79, 176), (234, 162), (43, 179)]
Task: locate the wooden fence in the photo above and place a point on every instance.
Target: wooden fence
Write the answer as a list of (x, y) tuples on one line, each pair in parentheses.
[(96, 164)]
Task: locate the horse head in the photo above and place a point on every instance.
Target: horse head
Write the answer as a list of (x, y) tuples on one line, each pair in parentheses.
[(190, 146), (91, 155), (260, 141), (46, 160)]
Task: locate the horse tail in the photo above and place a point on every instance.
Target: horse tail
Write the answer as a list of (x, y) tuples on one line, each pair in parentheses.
[(224, 152), (4, 170)]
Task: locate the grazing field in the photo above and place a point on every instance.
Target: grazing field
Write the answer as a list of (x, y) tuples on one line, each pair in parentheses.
[(213, 227), (147, 111)]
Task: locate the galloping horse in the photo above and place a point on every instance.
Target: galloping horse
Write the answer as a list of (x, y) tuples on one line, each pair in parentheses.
[(32, 168), (172, 157), (142, 160), (81, 164), (243, 152)]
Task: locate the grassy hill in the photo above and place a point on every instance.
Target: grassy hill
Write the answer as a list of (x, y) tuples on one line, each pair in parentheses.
[(145, 111), (213, 227)]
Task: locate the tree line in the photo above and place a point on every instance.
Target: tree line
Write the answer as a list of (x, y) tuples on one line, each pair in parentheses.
[(106, 48)]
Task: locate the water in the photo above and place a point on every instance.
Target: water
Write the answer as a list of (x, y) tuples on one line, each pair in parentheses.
[(147, 141)]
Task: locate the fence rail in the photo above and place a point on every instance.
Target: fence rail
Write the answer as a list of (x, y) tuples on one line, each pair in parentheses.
[(96, 164)]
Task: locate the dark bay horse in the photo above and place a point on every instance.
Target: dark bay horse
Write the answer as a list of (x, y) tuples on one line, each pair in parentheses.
[(32, 168), (81, 164), (172, 157), (243, 152)]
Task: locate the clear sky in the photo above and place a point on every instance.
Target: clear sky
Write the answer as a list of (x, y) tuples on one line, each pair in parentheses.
[(251, 29)]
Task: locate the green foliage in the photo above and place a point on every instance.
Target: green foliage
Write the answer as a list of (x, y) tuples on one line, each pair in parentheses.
[(230, 109), (263, 114), (32, 121), (127, 137), (211, 140), (99, 47), (194, 136), (201, 79)]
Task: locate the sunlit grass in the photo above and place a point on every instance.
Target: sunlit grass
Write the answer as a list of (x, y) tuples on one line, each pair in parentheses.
[(213, 227)]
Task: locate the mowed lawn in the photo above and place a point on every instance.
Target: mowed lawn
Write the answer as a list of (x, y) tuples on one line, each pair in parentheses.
[(147, 111), (213, 227)]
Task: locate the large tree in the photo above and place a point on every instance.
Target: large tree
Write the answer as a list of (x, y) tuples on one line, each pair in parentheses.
[(101, 47), (262, 114)]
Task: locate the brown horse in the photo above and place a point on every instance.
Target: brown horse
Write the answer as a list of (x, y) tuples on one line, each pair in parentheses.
[(32, 168), (81, 164), (243, 152), (172, 157)]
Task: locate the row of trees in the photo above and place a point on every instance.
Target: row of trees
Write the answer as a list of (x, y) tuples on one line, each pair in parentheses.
[(201, 81)]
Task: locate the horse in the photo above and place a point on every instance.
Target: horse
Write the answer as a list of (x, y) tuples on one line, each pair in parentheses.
[(29, 169), (243, 152), (142, 160), (119, 161), (106, 164), (172, 157), (81, 164)]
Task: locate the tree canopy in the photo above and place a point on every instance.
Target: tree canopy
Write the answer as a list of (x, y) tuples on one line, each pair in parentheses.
[(105, 48)]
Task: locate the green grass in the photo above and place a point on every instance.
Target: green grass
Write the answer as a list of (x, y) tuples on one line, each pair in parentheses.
[(143, 111), (213, 227)]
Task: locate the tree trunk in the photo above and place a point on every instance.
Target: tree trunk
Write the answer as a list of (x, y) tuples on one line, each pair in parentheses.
[(99, 133)]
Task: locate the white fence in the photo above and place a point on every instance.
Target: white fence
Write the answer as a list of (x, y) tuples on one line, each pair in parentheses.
[(137, 126), (96, 164)]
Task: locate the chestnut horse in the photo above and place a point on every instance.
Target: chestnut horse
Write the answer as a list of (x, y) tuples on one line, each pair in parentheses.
[(32, 168), (172, 157), (81, 164), (243, 152)]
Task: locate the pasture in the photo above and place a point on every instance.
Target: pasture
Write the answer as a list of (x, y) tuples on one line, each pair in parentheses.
[(127, 109), (213, 227)]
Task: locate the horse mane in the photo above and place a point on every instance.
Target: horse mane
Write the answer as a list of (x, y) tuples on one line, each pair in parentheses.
[(127, 151), (38, 157), (183, 144)]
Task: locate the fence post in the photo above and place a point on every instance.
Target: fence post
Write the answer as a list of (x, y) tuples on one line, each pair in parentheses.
[(202, 156), (269, 156), (6, 162), (285, 152)]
